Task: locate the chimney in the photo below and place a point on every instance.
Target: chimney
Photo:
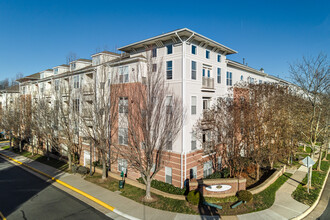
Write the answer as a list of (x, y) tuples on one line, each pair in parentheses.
[(243, 61), (262, 70)]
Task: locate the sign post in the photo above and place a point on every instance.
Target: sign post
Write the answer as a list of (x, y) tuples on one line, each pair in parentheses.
[(309, 162)]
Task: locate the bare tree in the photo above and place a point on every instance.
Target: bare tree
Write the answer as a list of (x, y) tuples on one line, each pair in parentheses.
[(312, 77), (150, 123), (99, 116)]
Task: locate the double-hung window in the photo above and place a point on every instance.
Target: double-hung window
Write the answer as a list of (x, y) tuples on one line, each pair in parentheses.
[(207, 54), (242, 78), (193, 105), (169, 68), (168, 175), (57, 84), (229, 78), (168, 104), (76, 81), (218, 75), (193, 49), (76, 103), (55, 71), (154, 67), (193, 69), (193, 141), (207, 168), (219, 58), (169, 141), (169, 49), (123, 136), (154, 52), (123, 74), (123, 105)]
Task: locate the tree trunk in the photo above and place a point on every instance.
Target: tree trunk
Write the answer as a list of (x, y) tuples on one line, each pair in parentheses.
[(320, 159), (10, 141), (20, 146), (258, 171), (104, 167), (148, 197), (304, 147), (90, 158), (272, 164), (70, 161)]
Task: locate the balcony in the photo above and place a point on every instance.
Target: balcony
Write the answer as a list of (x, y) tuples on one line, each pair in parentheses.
[(208, 84), (88, 89)]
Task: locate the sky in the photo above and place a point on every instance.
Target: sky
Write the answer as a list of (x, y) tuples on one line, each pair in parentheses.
[(38, 35)]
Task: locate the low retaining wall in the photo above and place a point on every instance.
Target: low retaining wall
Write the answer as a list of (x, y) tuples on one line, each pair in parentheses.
[(269, 181)]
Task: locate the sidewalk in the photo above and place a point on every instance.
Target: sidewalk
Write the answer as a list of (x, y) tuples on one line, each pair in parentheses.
[(121, 203), (284, 207)]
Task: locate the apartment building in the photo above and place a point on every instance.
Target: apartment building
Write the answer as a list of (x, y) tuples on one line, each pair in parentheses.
[(195, 67)]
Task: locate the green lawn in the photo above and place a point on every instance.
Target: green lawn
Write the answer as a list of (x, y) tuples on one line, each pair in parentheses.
[(61, 165), (318, 177), (137, 194), (261, 201), (5, 147)]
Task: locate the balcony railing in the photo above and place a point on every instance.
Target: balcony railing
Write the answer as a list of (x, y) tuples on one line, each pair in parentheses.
[(87, 89), (208, 83)]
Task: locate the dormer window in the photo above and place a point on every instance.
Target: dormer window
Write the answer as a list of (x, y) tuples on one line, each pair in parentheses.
[(55, 71), (41, 75), (96, 60), (73, 66)]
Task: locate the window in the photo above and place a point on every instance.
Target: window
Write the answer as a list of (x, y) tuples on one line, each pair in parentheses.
[(154, 52), (76, 81), (122, 165), (73, 66), (169, 49), (169, 70), (123, 74), (123, 105), (229, 79), (193, 70), (96, 60), (168, 175), (193, 49), (57, 84), (219, 163), (219, 58), (168, 103), (193, 105), (260, 81), (154, 67), (55, 71), (42, 87), (207, 168), (206, 103), (23, 90), (42, 75), (219, 75), (169, 141), (193, 173), (251, 80), (242, 78), (193, 141), (123, 136), (207, 54), (76, 105)]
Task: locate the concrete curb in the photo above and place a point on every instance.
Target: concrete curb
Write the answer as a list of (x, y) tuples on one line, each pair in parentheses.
[(111, 208), (310, 209)]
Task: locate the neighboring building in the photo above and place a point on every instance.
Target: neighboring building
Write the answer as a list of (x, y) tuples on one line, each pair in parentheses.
[(8, 95), (195, 67)]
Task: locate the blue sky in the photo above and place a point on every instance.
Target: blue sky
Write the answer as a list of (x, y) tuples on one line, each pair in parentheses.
[(37, 35)]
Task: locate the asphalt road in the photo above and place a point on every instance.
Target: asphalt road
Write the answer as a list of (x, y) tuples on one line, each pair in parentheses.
[(26, 196)]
